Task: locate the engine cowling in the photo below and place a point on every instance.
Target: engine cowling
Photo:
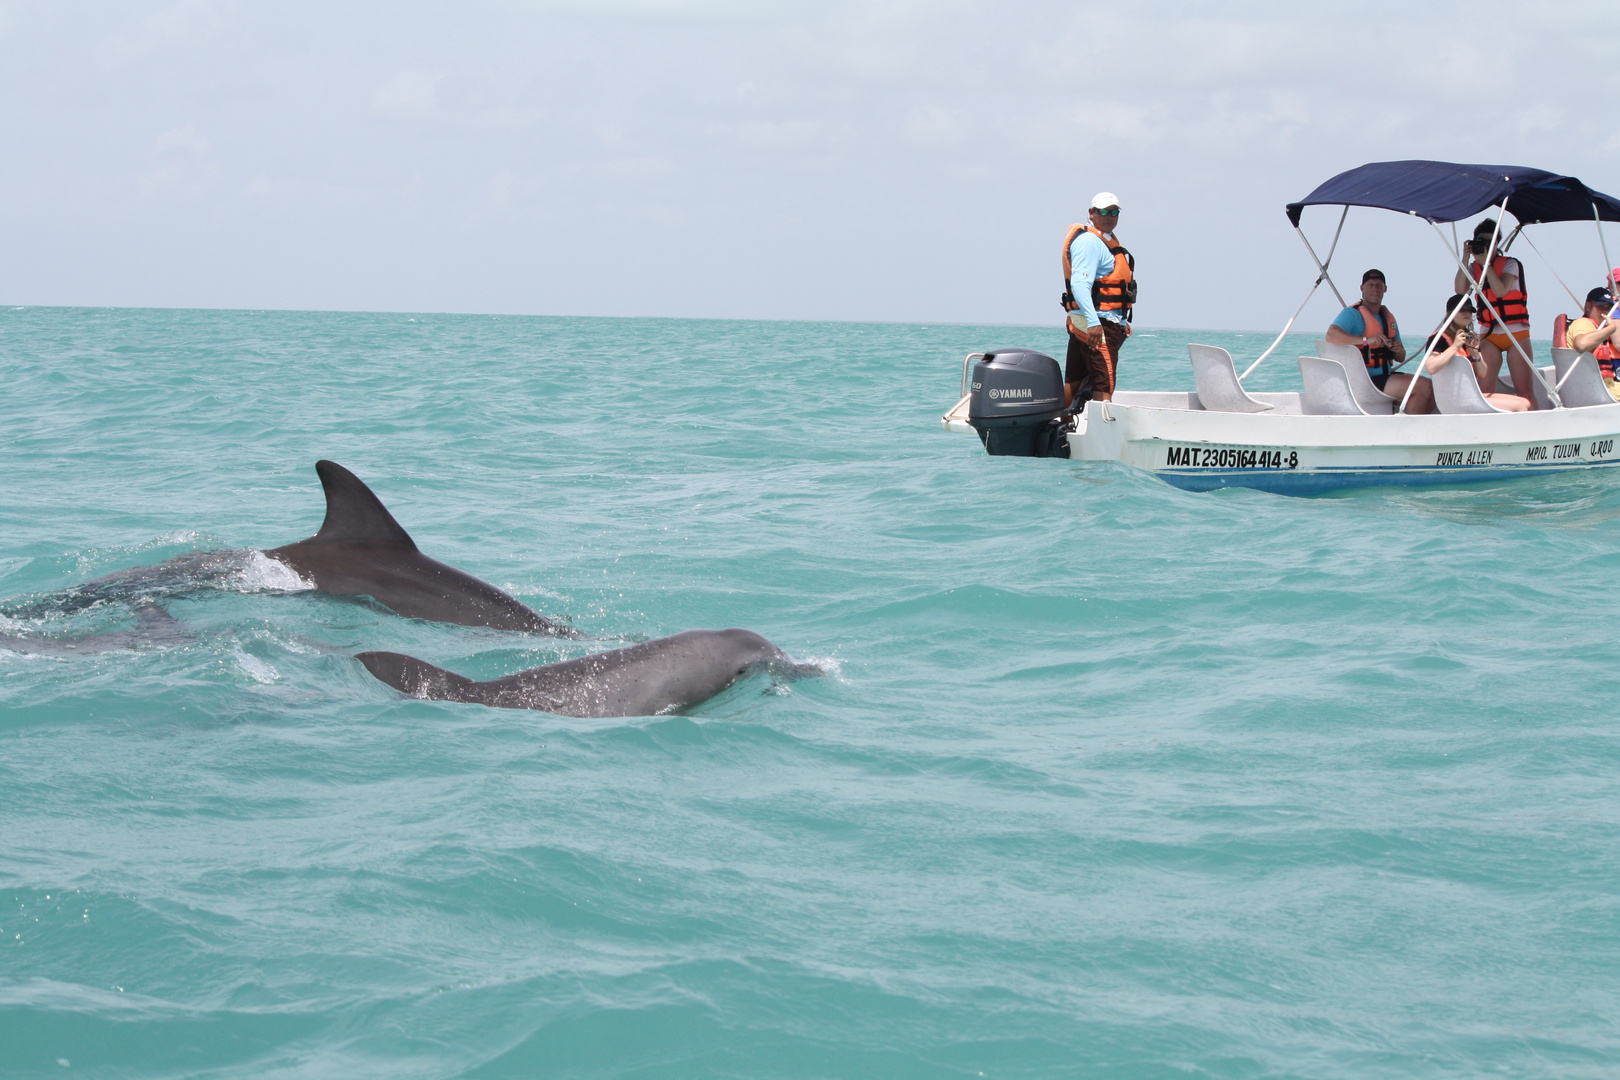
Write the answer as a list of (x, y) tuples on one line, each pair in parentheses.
[(1017, 404)]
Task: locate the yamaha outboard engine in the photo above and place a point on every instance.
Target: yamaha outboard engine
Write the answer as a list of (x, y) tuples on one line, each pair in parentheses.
[(1017, 404)]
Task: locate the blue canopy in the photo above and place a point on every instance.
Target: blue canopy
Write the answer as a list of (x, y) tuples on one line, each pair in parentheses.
[(1444, 191)]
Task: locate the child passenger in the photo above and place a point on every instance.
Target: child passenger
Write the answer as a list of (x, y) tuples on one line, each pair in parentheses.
[(1458, 337)]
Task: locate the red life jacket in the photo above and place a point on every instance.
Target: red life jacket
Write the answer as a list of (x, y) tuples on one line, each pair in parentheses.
[(1512, 306), (1379, 361), (1114, 291)]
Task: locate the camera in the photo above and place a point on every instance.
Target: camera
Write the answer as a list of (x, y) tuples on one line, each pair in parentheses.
[(1477, 247)]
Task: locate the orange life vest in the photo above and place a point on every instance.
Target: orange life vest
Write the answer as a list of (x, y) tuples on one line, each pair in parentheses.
[(1380, 361), (1115, 291), (1512, 306)]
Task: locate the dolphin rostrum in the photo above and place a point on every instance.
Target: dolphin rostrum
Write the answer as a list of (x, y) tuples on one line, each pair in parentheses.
[(361, 550), (662, 675)]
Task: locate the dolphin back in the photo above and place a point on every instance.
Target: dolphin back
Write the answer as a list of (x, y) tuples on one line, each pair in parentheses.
[(362, 551)]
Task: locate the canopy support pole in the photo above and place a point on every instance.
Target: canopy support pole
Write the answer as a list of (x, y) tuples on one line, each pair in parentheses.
[(1434, 338), (1608, 267), (1284, 333), (1321, 266), (1321, 276), (1578, 305), (1478, 293)]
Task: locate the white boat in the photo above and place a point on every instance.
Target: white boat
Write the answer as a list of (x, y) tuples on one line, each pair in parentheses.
[(1339, 430)]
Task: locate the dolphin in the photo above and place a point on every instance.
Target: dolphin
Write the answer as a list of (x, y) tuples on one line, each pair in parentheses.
[(154, 628), (361, 550), (663, 675)]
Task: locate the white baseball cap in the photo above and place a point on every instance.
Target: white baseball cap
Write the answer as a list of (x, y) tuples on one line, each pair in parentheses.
[(1103, 200)]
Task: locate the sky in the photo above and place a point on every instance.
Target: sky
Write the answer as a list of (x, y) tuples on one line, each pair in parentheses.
[(905, 161)]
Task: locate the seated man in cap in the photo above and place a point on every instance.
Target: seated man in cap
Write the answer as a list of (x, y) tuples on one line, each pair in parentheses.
[(1099, 288), (1370, 327), (1594, 332)]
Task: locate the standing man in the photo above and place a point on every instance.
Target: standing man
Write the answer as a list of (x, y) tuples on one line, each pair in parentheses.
[(1370, 327), (1099, 289)]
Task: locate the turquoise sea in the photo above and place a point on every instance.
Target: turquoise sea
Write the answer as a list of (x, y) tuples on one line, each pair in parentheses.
[(1109, 780)]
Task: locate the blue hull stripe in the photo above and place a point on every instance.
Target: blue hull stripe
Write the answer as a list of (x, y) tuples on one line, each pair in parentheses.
[(1316, 481)]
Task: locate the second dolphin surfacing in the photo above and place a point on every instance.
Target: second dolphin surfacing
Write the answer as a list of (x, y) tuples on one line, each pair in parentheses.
[(663, 675)]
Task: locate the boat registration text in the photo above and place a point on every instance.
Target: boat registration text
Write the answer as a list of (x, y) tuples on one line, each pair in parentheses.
[(1213, 457)]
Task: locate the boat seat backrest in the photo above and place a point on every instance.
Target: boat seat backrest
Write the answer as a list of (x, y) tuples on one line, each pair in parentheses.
[(1580, 380), (1217, 382), (1538, 387), (1327, 388), (1371, 399), (1456, 390)]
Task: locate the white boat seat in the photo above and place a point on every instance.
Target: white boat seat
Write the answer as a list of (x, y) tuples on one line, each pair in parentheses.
[(1580, 380), (1327, 388), (1456, 390), (1217, 382), (1371, 399), (1538, 387)]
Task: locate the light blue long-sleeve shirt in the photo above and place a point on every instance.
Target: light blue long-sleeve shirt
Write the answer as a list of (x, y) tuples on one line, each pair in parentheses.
[(1090, 259)]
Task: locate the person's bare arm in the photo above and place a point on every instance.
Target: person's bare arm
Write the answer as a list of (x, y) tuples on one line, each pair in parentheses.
[(1438, 360), (1336, 336), (1591, 339)]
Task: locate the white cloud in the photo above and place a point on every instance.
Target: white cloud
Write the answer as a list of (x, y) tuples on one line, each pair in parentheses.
[(169, 27), (412, 94), (180, 162)]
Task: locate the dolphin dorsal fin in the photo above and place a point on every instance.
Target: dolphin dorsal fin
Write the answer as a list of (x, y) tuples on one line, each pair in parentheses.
[(353, 513)]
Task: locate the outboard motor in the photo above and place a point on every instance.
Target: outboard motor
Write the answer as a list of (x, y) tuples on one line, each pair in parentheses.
[(1017, 404)]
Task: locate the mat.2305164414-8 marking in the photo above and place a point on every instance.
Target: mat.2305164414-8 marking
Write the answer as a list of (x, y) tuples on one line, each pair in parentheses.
[(1232, 457)]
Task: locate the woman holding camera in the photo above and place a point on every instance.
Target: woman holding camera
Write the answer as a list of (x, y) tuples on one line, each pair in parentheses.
[(1458, 338), (1501, 279)]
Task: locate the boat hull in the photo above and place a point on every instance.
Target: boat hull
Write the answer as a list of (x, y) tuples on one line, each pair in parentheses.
[(1295, 454)]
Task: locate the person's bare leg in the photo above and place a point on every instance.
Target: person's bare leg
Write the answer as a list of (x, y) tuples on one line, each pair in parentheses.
[(1520, 369), (1493, 368), (1508, 402), (1422, 399), (1395, 386), (1421, 403)]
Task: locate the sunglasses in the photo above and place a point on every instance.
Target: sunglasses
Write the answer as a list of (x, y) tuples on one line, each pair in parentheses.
[(1106, 213)]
